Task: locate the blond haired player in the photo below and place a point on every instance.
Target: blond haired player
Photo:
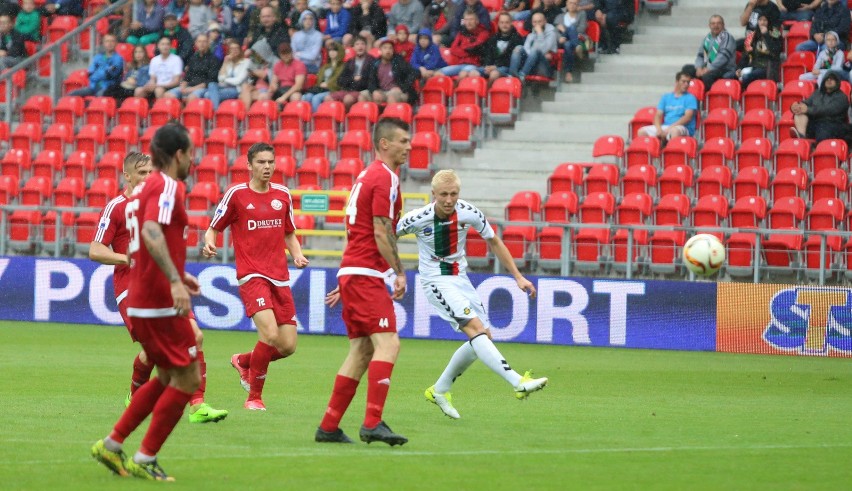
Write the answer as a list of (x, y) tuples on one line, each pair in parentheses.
[(441, 228)]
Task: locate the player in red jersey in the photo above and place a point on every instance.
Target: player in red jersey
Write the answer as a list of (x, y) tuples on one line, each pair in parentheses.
[(370, 256), (260, 215), (110, 247), (158, 305)]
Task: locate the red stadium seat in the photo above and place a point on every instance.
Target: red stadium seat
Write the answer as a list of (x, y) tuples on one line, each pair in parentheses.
[(423, 146), (714, 181), (465, 121), (36, 191), (829, 154), (288, 142), (134, 112), (643, 150), (111, 165), (122, 138), (826, 214), (716, 151), (430, 117), (751, 181), (720, 123), (212, 168), (199, 113), (356, 144), (16, 163), (74, 81), (609, 146), (830, 183), (525, 206), (795, 91), (792, 153), (69, 192), (36, 109), (519, 242), (760, 94), (782, 131), (362, 116), (549, 247), (252, 136), (203, 196), (91, 138), (753, 153), (398, 110), (471, 90), (503, 100), (8, 189), (565, 177), (85, 228), (789, 182), (680, 151), (79, 164), (591, 244), (57, 137), (285, 169), (222, 141), (639, 179), (101, 111), (147, 136), (26, 136), (601, 178), (797, 63), (239, 173), (724, 93), (757, 123), (23, 230), (697, 89), (230, 114), (322, 144), (163, 111), (799, 32), (437, 90), (47, 164), (643, 117), (337, 203), (101, 192), (677, 179), (635, 209), (264, 115), (329, 116), (560, 207), (710, 212), (748, 212), (314, 171), (345, 172)]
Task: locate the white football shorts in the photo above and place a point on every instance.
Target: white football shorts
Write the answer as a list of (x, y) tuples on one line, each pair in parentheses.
[(455, 299)]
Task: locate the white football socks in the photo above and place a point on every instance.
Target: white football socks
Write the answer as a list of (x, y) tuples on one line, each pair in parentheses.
[(461, 360), (490, 355)]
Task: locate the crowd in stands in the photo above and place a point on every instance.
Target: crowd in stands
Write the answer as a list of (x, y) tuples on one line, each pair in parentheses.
[(316, 50)]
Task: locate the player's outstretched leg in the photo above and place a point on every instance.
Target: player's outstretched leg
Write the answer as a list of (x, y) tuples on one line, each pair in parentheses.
[(528, 385), (114, 461), (443, 401), (381, 433), (200, 411), (493, 359)]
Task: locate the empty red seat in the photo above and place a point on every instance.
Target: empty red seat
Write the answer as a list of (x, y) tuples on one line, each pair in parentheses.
[(720, 123), (716, 151), (69, 192), (560, 207), (681, 150), (357, 144), (789, 182), (122, 138), (198, 113), (264, 115), (285, 169), (751, 181), (471, 90), (792, 153), (519, 241), (565, 177), (36, 109), (252, 136), (26, 136), (465, 120), (503, 100), (57, 137), (757, 123), (134, 112), (797, 63), (430, 117), (591, 244), (601, 178), (799, 32), (101, 192), (203, 196), (147, 136), (47, 163), (288, 142), (724, 93), (212, 168), (36, 191), (676, 179), (760, 94), (79, 164), (230, 114), (322, 144), (826, 214), (345, 172), (549, 247), (710, 212), (314, 171), (85, 228), (643, 150), (23, 230), (754, 152), (16, 162), (101, 111), (639, 179), (399, 110), (609, 146), (714, 181), (8, 189), (111, 165), (423, 146), (362, 116), (329, 116), (239, 172), (437, 90), (91, 138), (525, 206), (222, 141), (634, 209), (829, 154), (830, 183), (163, 111)]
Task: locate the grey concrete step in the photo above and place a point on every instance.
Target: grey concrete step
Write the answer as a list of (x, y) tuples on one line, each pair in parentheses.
[(618, 87), (638, 79), (613, 69)]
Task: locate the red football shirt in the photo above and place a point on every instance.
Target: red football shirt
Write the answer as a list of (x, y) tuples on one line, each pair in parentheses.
[(375, 194), (259, 222), (158, 199), (112, 232)]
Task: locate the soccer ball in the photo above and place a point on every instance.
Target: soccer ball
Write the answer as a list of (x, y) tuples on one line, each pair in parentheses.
[(703, 254)]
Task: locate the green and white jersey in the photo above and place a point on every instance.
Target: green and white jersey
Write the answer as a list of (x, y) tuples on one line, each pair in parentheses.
[(441, 241)]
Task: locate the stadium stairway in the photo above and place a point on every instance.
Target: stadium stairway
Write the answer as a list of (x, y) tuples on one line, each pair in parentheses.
[(564, 129)]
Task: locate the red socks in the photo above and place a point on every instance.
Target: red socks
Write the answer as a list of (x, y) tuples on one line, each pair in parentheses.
[(260, 358), (378, 384), (141, 374), (198, 396), (341, 396), (167, 413), (140, 407)]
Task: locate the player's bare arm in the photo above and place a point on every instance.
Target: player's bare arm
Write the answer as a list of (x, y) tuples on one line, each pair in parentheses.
[(101, 253), (192, 284), (155, 242), (210, 243), (295, 249), (501, 252), (385, 234)]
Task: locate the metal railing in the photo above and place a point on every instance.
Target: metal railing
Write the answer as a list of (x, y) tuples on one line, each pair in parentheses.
[(54, 50)]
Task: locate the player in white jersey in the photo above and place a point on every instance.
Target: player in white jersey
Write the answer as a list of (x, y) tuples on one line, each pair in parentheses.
[(441, 228)]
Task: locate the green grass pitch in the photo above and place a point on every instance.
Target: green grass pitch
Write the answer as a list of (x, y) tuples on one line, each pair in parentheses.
[(610, 419)]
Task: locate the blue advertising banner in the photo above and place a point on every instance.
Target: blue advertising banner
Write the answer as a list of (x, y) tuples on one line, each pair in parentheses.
[(568, 311)]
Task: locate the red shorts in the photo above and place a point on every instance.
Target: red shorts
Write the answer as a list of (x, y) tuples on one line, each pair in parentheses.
[(259, 294), (367, 306), (122, 309), (168, 341)]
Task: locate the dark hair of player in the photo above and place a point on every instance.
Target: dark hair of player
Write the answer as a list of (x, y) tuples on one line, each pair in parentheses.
[(167, 141), (257, 148), (386, 127)]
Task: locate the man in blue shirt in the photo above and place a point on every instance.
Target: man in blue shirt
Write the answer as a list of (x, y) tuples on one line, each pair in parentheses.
[(105, 70), (675, 113)]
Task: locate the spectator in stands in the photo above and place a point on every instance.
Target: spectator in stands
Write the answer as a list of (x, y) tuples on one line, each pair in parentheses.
[(253, 10), (270, 29), (239, 26), (390, 78), (535, 57), (28, 22), (832, 15), (518, 9), (63, 7), (752, 12), (830, 58), (497, 56), (609, 15), (401, 42), (200, 17), (105, 70), (222, 14), (232, 74), (368, 21), (408, 13), (258, 86), (307, 42), (797, 10), (327, 77), (177, 7), (482, 15), (136, 75), (762, 54), (164, 71), (217, 44), (437, 19), (10, 8), (588, 7), (717, 56), (675, 113), (12, 50), (201, 70), (180, 39), (467, 48), (336, 21), (148, 25), (823, 115), (353, 80), (300, 7), (571, 25), (318, 6), (549, 8), (427, 59), (288, 76)]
